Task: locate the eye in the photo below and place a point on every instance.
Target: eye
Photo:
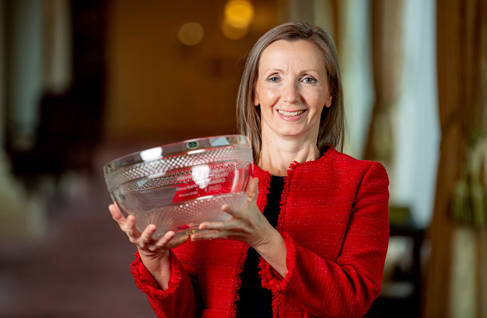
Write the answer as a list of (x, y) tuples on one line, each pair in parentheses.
[(273, 78), (309, 80)]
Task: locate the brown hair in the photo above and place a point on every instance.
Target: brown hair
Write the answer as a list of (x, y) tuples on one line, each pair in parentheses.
[(331, 131)]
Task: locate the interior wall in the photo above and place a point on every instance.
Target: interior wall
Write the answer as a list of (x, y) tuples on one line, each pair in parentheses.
[(161, 90)]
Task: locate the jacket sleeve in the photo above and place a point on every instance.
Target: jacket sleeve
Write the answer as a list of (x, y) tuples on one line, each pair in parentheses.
[(178, 300), (344, 287)]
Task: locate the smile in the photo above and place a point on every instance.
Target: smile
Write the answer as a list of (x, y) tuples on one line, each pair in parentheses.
[(291, 114)]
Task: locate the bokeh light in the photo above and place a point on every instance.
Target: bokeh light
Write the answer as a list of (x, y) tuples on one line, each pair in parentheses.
[(191, 33), (239, 13), (237, 18)]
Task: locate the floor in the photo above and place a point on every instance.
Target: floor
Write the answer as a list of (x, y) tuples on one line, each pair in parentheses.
[(80, 266)]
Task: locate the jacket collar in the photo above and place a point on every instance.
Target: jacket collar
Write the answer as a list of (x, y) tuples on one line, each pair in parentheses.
[(261, 173)]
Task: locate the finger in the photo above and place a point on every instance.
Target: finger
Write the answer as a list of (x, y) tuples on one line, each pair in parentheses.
[(233, 212), (207, 235), (177, 240), (215, 235), (130, 228), (234, 225), (253, 188), (146, 237), (165, 239), (116, 214), (211, 225)]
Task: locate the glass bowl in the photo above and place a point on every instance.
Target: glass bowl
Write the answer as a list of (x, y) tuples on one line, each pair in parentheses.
[(179, 185)]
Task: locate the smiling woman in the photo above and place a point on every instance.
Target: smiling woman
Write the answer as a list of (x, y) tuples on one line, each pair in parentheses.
[(312, 237), (313, 50), (291, 91)]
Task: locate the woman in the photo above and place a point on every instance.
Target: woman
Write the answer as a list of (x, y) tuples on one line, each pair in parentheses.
[(312, 239)]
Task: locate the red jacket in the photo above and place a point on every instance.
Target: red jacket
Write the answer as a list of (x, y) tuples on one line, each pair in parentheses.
[(334, 220)]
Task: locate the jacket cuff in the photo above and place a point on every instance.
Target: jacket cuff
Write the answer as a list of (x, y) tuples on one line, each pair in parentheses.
[(146, 282), (270, 278)]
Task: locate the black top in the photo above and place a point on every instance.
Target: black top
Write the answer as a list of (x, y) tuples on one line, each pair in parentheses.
[(256, 301)]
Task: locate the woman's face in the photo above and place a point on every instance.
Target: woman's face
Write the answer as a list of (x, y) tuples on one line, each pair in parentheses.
[(292, 89)]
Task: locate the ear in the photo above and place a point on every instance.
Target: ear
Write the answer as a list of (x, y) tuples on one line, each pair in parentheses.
[(328, 102), (256, 99)]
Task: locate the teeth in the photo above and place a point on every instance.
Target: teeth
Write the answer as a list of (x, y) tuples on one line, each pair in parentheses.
[(285, 113)]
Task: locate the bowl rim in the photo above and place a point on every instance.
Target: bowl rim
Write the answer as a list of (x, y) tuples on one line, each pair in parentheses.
[(135, 157)]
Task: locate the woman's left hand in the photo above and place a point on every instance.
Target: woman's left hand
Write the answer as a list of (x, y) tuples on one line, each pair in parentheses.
[(248, 225)]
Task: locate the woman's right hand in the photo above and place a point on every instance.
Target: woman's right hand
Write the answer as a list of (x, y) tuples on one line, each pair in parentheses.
[(154, 252)]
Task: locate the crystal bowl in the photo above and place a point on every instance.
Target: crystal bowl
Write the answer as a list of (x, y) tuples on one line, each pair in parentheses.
[(179, 185)]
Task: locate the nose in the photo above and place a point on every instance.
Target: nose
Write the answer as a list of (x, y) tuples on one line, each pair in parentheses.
[(290, 92)]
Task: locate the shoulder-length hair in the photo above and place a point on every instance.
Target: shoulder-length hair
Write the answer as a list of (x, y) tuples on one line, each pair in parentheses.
[(331, 131)]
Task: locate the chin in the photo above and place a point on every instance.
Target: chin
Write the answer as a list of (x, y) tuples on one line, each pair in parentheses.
[(291, 134)]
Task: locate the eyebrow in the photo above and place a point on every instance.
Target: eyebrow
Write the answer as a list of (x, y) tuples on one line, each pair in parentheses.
[(278, 70)]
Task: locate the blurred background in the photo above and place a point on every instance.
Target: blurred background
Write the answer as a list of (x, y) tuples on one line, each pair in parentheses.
[(83, 82)]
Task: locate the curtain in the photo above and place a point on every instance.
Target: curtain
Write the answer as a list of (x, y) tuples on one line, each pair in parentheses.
[(456, 272), (387, 60)]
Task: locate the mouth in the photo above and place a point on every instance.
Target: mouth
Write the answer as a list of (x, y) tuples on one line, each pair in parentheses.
[(291, 113)]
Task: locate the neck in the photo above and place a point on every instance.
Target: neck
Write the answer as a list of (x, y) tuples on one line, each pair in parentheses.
[(277, 154)]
